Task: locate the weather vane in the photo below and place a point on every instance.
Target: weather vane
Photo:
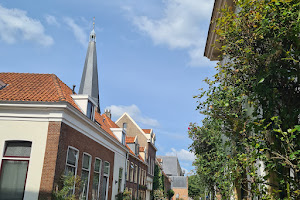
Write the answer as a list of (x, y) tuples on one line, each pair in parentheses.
[(94, 23)]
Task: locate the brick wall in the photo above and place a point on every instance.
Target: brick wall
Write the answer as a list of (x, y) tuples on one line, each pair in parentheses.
[(60, 137), (183, 193), (50, 158), (132, 184)]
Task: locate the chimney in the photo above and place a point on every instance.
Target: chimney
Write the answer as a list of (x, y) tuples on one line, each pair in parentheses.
[(73, 90), (108, 113)]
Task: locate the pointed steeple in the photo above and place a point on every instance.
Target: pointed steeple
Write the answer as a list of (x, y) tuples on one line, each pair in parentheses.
[(89, 80)]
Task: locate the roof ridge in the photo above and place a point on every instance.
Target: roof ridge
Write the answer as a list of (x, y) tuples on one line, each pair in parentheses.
[(26, 73), (58, 88)]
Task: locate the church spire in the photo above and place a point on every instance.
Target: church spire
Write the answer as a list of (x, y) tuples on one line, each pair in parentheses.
[(89, 80)]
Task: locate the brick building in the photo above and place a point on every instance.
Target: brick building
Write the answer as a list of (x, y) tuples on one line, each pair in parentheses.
[(136, 170), (146, 141), (179, 182)]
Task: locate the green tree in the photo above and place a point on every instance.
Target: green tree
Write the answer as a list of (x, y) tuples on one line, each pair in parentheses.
[(252, 103), (158, 179), (196, 187), (170, 193)]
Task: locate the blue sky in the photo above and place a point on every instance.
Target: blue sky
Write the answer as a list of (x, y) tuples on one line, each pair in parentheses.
[(150, 56)]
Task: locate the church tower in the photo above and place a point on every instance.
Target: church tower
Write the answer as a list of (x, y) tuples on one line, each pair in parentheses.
[(89, 80)]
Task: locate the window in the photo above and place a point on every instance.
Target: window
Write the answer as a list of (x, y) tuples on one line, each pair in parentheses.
[(71, 164), (136, 174), (125, 126), (140, 175), (127, 173), (120, 179), (153, 164), (137, 146), (131, 172), (90, 110), (123, 137), (149, 164), (85, 176), (14, 169), (145, 177), (96, 179), (105, 182)]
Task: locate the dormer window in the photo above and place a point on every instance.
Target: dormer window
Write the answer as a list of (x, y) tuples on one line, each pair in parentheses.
[(137, 148), (90, 110), (123, 137)]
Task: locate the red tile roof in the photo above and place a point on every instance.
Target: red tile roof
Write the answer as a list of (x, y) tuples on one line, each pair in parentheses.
[(41, 88), (147, 131), (34, 87), (129, 139), (133, 154), (109, 122), (130, 151)]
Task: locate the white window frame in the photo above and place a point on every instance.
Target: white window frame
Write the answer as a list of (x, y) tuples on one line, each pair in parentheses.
[(89, 170), (107, 175), (120, 182), (140, 175), (128, 170), (100, 168), (136, 174), (76, 164), (131, 172)]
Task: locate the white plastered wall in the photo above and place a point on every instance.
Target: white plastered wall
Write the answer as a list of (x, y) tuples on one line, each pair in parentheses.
[(120, 162), (33, 131)]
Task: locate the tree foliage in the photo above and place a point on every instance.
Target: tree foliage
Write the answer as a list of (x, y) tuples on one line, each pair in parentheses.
[(252, 104), (68, 182), (158, 179), (196, 187)]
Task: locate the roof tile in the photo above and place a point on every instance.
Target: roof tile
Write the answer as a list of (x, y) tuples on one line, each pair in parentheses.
[(147, 131)]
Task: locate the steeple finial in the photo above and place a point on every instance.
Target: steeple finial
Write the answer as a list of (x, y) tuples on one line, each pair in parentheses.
[(94, 23), (93, 33)]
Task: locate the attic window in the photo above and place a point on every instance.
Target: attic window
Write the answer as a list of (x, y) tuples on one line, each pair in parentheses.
[(2, 85), (90, 110), (125, 126)]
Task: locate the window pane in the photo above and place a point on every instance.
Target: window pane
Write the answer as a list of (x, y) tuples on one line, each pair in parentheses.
[(104, 188), (95, 192), (86, 161), (97, 165), (12, 180), (120, 172), (84, 184), (70, 171), (18, 149), (72, 157), (89, 109), (106, 168)]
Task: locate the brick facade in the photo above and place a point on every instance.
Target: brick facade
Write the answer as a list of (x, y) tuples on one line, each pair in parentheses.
[(181, 193), (60, 137), (50, 158), (167, 183), (151, 154), (133, 185)]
